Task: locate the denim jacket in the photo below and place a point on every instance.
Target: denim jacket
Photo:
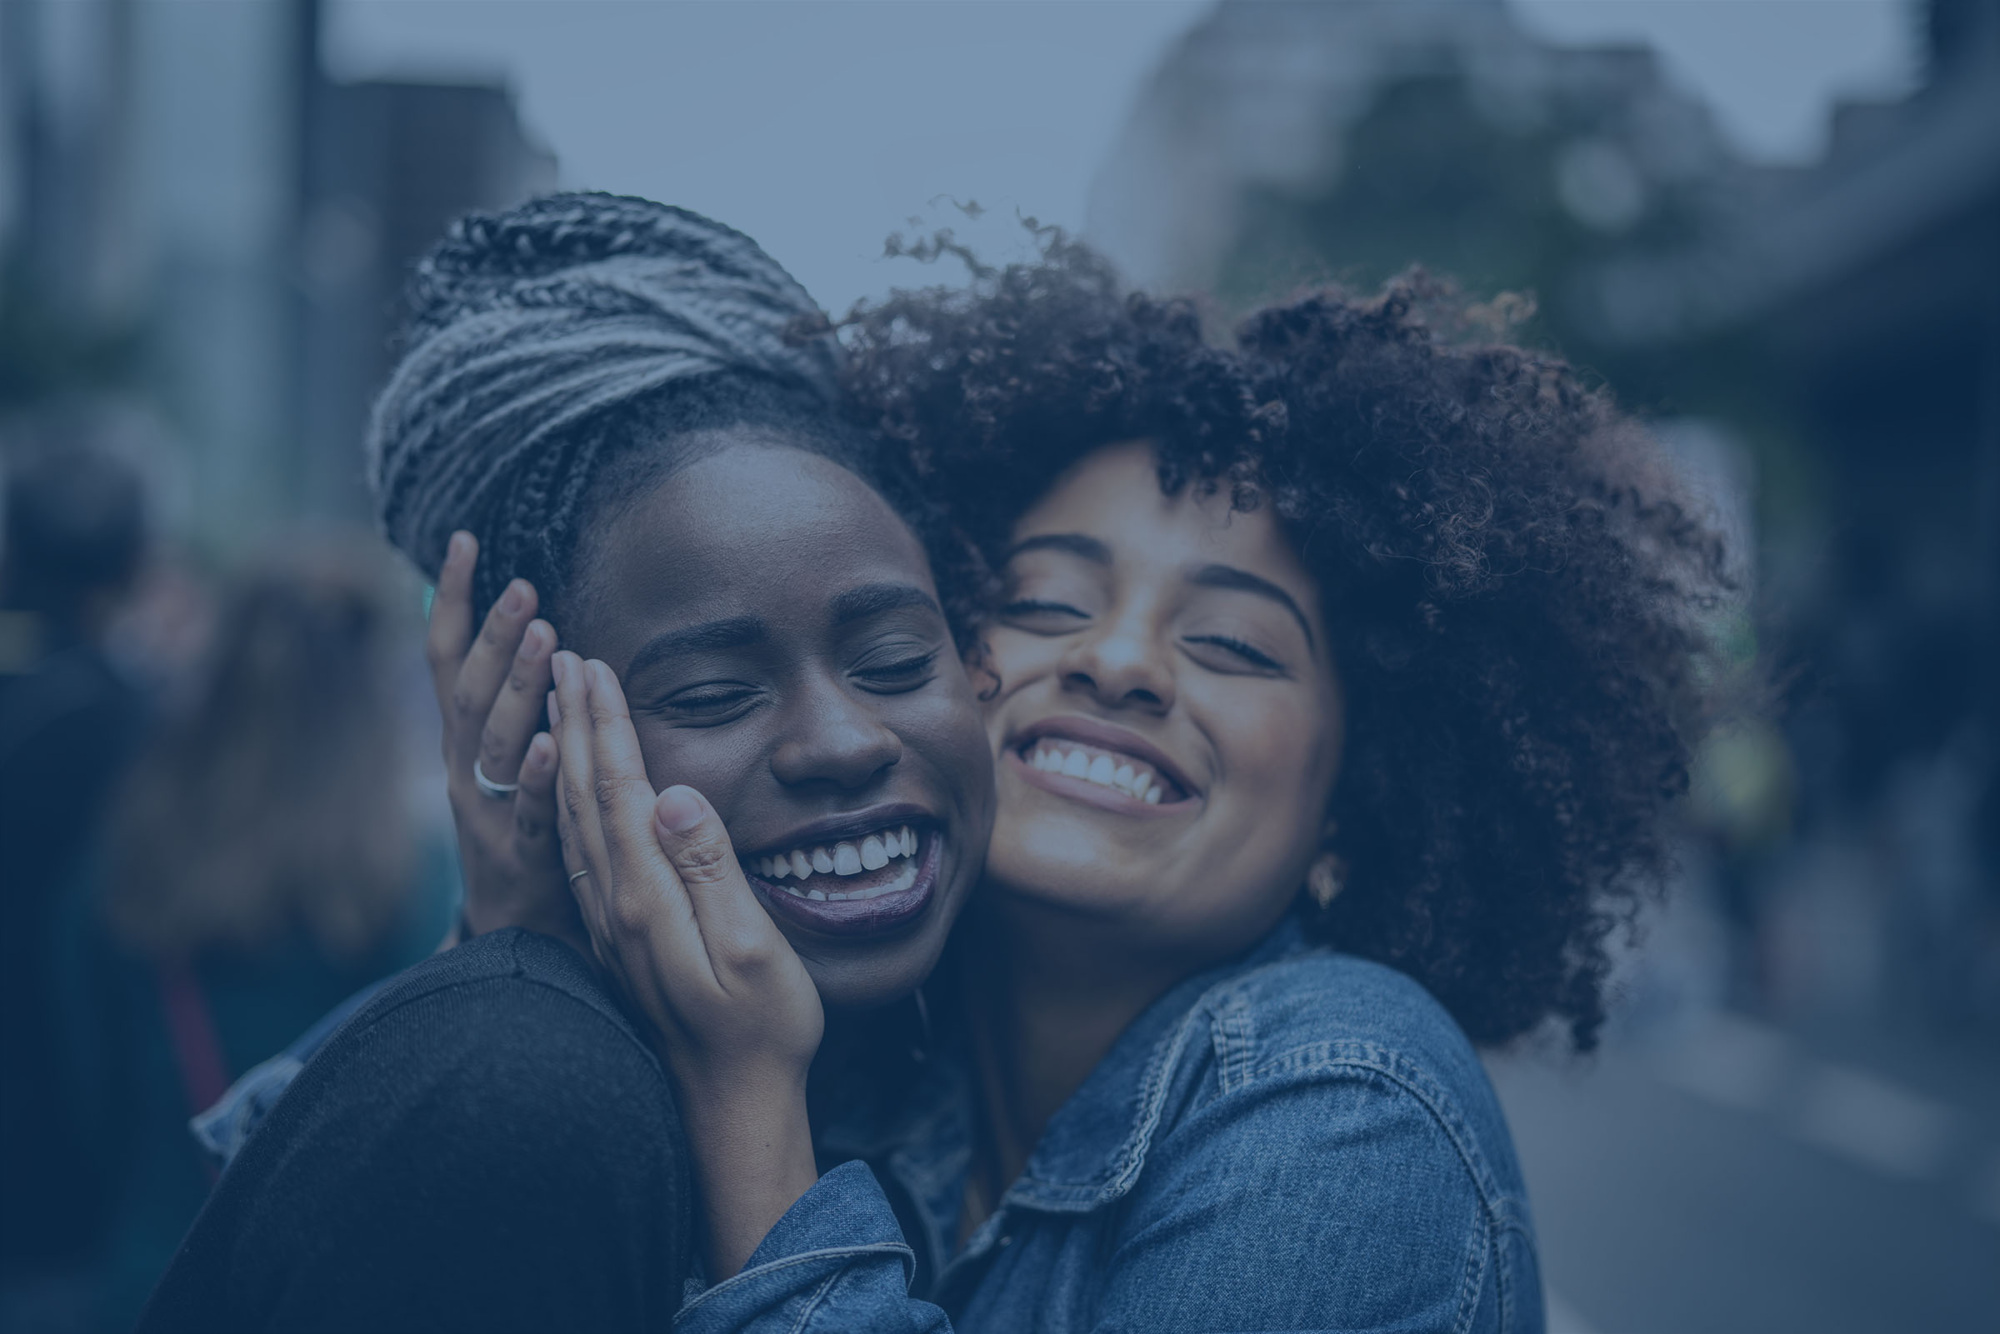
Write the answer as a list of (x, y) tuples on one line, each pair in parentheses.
[(1300, 1140)]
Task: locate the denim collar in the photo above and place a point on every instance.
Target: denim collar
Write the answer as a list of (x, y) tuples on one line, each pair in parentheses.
[(1093, 1148)]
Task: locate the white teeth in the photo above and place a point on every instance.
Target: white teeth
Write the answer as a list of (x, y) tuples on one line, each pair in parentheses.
[(902, 880), (1104, 770), (871, 854)]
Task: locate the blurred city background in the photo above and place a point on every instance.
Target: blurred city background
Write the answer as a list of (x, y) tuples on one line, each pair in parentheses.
[(1771, 226)]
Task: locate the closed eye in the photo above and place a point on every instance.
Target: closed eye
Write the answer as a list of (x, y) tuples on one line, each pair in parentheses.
[(711, 702), (1039, 616), (895, 677), (1255, 657)]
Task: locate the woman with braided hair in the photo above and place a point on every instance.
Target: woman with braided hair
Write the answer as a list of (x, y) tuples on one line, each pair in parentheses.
[(624, 411)]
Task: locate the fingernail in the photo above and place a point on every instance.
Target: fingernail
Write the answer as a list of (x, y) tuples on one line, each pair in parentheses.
[(456, 547), (559, 668), (555, 711), (533, 642), (514, 598), (680, 808)]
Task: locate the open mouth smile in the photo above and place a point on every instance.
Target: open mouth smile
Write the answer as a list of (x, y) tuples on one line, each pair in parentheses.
[(1100, 766), (859, 880)]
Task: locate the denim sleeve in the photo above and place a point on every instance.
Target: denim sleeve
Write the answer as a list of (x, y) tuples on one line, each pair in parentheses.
[(1321, 1200), (836, 1262)]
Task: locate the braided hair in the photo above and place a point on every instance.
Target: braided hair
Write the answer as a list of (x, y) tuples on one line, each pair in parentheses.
[(559, 357)]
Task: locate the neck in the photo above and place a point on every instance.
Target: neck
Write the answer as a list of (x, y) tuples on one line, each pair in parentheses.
[(1046, 1001)]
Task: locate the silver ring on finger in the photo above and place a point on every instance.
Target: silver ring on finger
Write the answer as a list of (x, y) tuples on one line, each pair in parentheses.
[(578, 876), (488, 788)]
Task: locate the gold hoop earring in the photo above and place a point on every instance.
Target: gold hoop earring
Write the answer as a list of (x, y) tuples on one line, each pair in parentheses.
[(1325, 880)]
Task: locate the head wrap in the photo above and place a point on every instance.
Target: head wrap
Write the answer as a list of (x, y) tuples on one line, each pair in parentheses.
[(524, 324)]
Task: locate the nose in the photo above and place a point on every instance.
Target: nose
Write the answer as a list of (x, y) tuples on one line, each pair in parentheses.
[(833, 737), (1121, 664)]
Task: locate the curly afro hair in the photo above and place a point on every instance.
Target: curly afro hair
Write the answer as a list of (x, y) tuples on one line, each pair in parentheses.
[(1515, 597)]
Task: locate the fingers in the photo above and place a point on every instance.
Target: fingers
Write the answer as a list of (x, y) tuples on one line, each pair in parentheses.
[(485, 669), (576, 797), (535, 806), (630, 899), (625, 810), (734, 926), (516, 714), (451, 613)]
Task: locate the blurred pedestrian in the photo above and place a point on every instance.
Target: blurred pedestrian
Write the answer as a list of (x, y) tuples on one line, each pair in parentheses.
[(267, 860), (75, 535)]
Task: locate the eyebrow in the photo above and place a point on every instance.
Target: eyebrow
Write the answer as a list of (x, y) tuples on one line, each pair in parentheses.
[(858, 604), (733, 632), (1074, 544), (1242, 581), (708, 637), (1206, 576)]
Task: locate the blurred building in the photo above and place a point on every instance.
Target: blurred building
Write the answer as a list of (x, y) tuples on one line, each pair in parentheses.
[(1822, 341), (1861, 308), (195, 217), (1295, 141)]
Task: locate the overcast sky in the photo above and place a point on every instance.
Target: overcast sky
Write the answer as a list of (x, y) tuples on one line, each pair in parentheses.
[(819, 126)]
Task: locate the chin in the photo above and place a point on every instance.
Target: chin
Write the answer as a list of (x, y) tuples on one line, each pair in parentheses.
[(1097, 882), (872, 982)]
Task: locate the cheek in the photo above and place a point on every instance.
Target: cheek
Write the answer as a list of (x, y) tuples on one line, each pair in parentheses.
[(716, 762), (942, 725), (1279, 760), (1015, 657)]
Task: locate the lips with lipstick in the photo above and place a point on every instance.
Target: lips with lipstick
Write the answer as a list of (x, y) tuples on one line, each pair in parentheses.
[(1102, 765), (869, 875)]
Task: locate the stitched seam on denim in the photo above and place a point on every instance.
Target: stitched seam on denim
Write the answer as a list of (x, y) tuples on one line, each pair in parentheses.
[(896, 1248), (1510, 1225), (1235, 1030), (1131, 1155), (1327, 1057), (812, 1303), (1475, 1274)]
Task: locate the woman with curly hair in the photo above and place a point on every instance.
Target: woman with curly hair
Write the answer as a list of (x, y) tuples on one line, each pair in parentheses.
[(1337, 682)]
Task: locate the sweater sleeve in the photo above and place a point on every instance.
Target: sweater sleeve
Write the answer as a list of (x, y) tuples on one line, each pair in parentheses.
[(490, 1156), (836, 1263)]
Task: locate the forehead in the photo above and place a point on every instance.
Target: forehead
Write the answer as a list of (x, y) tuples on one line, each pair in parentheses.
[(1113, 494), (751, 529)]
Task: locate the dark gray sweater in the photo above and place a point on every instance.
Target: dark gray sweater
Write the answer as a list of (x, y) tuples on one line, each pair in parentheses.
[(487, 1145)]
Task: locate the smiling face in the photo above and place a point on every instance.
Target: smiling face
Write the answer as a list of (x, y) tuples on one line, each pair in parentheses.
[(778, 636), (1168, 725)]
